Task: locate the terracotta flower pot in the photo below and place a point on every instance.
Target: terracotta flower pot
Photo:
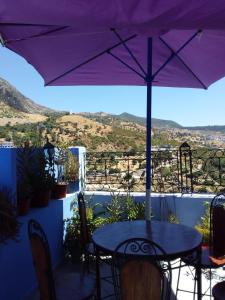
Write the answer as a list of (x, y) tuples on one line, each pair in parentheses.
[(41, 198), (23, 207), (59, 191)]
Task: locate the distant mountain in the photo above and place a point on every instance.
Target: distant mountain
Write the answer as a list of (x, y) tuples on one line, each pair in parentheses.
[(157, 123), (12, 98)]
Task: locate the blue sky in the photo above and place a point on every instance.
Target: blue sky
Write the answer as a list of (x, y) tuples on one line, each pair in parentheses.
[(188, 107)]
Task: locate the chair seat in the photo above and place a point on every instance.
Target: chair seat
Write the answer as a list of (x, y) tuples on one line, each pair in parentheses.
[(75, 286), (218, 291), (207, 261)]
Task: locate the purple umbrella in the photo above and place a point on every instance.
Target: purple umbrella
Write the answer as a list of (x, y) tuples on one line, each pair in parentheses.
[(160, 43)]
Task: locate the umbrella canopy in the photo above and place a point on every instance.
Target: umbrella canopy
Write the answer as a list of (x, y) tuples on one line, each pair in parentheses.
[(126, 42)]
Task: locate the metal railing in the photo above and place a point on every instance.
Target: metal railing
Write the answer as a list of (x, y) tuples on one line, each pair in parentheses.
[(172, 170)]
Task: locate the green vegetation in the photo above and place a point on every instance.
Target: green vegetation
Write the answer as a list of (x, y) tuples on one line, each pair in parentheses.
[(9, 225), (204, 226), (120, 208)]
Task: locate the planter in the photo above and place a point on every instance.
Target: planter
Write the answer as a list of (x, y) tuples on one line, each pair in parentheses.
[(59, 191), (40, 198), (23, 207)]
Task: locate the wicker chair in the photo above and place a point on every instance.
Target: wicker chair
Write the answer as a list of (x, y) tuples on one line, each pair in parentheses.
[(138, 273), (213, 256), (74, 286)]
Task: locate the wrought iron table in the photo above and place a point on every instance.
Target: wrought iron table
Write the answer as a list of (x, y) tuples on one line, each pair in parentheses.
[(177, 240)]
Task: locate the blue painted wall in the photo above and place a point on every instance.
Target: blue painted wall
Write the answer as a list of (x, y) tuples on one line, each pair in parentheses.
[(17, 275), (8, 168)]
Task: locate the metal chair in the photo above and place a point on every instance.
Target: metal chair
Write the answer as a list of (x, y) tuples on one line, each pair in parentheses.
[(138, 272), (87, 244), (213, 256), (85, 240), (74, 286)]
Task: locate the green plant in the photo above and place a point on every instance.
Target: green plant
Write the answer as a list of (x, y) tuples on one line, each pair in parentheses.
[(60, 159), (9, 225), (124, 208), (120, 208), (204, 226), (72, 245), (39, 175), (25, 157), (71, 167), (172, 218)]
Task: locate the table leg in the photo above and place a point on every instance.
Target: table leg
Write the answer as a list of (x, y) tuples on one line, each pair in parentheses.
[(98, 278), (199, 275)]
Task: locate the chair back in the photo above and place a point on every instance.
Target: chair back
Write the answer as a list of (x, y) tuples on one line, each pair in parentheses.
[(217, 228), (42, 260), (84, 231), (138, 272)]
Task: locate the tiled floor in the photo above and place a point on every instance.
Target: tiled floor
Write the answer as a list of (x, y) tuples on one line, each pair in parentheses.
[(186, 281)]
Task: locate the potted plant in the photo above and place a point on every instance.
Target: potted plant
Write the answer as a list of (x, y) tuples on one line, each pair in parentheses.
[(24, 160), (59, 189), (41, 180), (9, 225), (204, 225), (71, 172), (72, 244)]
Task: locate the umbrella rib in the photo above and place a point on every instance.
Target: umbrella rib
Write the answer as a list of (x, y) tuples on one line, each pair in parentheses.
[(129, 51), (181, 60), (89, 60), (128, 66), (174, 52), (37, 35), (25, 24)]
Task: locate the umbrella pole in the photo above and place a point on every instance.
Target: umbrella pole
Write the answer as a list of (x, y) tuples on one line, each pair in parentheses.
[(148, 131)]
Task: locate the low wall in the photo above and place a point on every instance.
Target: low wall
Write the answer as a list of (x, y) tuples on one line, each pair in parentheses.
[(187, 207), (17, 275)]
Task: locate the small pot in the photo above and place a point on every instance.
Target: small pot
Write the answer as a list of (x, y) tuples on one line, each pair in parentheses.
[(23, 206), (40, 198), (59, 191)]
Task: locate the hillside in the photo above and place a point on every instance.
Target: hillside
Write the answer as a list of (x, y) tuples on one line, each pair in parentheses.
[(12, 98), (215, 128), (111, 118), (21, 119)]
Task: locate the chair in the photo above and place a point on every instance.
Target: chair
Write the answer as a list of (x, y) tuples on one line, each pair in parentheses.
[(86, 244), (74, 286), (138, 272), (218, 291), (212, 256)]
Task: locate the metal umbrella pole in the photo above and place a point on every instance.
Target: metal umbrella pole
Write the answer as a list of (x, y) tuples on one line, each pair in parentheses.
[(148, 130)]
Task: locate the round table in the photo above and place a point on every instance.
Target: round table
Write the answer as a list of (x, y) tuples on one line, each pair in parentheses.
[(176, 240)]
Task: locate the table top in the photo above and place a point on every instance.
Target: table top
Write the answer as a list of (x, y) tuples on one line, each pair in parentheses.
[(177, 240)]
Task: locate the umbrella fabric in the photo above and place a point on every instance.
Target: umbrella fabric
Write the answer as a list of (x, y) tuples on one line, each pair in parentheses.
[(128, 42), (141, 16), (68, 41), (67, 56)]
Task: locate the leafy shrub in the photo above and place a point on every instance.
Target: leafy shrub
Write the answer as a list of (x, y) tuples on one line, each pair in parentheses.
[(204, 226), (9, 225)]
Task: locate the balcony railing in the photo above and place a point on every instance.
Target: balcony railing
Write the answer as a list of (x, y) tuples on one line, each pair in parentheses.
[(172, 170)]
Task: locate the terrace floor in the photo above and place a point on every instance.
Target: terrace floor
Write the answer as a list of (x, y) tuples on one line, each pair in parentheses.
[(186, 281)]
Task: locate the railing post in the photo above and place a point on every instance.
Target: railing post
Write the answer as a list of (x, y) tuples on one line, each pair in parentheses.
[(186, 168)]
